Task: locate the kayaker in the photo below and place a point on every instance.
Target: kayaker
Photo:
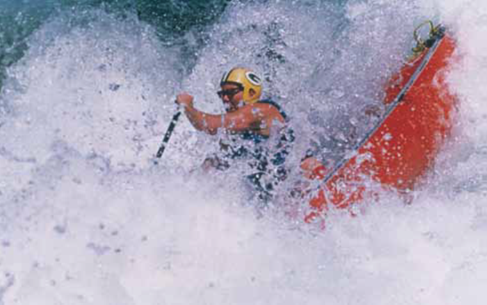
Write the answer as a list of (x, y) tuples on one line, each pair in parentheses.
[(252, 128)]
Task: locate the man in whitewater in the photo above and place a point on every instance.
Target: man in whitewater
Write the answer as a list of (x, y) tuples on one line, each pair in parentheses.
[(256, 130)]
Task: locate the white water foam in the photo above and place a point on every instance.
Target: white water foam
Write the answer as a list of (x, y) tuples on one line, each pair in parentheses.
[(85, 218)]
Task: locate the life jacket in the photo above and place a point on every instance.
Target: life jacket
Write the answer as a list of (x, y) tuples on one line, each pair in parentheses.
[(265, 160)]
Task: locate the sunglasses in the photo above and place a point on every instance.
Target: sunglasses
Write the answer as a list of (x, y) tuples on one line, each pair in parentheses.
[(230, 93)]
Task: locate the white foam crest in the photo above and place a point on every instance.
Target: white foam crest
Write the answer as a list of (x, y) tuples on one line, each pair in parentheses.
[(102, 87), (462, 165), (121, 239)]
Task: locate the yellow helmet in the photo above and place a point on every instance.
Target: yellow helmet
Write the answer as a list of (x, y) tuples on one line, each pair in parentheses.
[(246, 80)]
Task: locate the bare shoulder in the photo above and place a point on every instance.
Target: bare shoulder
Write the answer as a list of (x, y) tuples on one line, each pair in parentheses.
[(256, 110), (265, 109), (269, 112), (257, 113)]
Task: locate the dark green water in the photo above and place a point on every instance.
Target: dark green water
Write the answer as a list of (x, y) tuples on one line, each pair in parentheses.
[(171, 19)]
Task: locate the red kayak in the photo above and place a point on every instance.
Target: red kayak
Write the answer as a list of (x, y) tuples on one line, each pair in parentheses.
[(402, 147)]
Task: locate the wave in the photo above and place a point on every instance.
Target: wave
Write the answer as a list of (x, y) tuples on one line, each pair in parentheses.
[(85, 216)]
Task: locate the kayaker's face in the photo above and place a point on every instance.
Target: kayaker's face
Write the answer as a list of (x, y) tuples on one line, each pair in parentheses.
[(232, 97)]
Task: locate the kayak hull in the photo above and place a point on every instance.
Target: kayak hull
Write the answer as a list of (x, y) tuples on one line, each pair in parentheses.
[(403, 146)]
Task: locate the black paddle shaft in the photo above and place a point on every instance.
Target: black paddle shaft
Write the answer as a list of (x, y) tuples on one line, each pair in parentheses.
[(168, 134)]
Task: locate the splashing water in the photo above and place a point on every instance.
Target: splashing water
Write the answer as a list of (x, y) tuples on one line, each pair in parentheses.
[(86, 218)]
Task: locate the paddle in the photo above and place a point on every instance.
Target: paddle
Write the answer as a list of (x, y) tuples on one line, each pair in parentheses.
[(168, 134)]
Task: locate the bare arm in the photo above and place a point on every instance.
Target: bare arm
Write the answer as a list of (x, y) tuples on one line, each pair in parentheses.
[(256, 117), (246, 118), (202, 121)]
